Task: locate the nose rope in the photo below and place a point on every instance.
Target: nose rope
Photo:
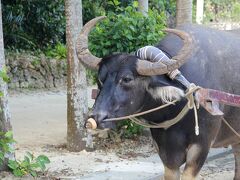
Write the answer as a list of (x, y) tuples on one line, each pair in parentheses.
[(191, 104)]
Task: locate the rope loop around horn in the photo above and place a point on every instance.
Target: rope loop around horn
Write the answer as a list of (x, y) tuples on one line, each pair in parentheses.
[(166, 65)]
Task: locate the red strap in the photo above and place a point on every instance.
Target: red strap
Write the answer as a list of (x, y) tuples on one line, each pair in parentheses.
[(220, 96), (210, 99)]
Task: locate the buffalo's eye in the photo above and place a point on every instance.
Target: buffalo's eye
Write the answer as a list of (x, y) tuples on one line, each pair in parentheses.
[(126, 79)]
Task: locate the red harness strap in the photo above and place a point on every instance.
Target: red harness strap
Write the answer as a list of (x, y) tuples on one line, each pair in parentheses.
[(210, 100), (220, 96)]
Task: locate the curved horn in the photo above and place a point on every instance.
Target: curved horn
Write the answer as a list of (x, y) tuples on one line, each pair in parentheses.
[(148, 68), (83, 53)]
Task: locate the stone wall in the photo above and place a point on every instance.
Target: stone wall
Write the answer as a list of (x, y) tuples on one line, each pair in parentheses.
[(27, 71)]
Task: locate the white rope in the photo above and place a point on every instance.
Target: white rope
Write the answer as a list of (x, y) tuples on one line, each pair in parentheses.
[(173, 74), (230, 127), (192, 105)]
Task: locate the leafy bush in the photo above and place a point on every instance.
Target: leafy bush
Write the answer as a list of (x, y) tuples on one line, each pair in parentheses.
[(3, 75), (59, 51), (29, 165), (91, 9), (218, 10), (5, 148), (94, 8), (236, 11), (126, 32), (33, 24), (91, 76), (168, 6), (129, 129)]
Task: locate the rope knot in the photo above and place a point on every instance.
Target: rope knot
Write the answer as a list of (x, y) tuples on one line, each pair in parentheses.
[(192, 104), (190, 95)]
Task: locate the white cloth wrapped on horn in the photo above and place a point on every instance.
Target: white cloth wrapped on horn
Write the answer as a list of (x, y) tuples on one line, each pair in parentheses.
[(154, 54)]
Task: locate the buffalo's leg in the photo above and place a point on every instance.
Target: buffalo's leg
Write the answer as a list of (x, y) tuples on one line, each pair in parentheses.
[(171, 174), (236, 152), (196, 156), (172, 151)]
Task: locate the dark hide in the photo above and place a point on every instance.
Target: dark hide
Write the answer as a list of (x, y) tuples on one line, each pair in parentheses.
[(215, 64)]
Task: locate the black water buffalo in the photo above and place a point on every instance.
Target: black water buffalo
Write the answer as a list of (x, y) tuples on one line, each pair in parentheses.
[(129, 85)]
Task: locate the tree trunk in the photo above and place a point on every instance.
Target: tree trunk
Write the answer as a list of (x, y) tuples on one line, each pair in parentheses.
[(143, 7), (199, 11), (5, 124), (184, 12), (77, 85)]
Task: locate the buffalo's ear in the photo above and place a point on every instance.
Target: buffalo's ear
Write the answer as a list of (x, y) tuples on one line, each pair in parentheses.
[(164, 80), (163, 88)]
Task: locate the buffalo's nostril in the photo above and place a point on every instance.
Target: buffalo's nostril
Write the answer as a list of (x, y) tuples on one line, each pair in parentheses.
[(100, 116), (116, 108)]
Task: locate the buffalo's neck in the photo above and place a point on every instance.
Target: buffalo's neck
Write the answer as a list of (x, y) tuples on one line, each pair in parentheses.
[(164, 114)]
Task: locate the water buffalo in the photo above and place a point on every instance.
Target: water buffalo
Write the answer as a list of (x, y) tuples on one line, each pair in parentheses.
[(129, 85)]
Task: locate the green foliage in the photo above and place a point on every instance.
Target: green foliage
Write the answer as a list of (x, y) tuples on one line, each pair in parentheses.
[(194, 11), (91, 76), (29, 165), (126, 32), (59, 51), (129, 129), (236, 12), (5, 140), (94, 8), (125, 29), (168, 6), (3, 75), (218, 10), (91, 9), (33, 24)]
